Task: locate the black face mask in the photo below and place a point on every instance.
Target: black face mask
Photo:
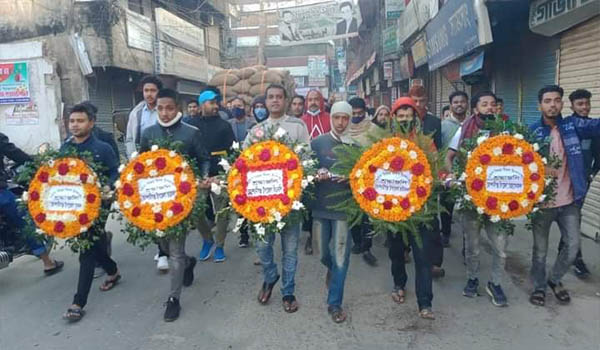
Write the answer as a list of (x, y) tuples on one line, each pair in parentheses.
[(487, 116)]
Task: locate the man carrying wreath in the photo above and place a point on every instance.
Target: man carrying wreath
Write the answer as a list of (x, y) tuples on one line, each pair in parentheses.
[(296, 130), (171, 127)]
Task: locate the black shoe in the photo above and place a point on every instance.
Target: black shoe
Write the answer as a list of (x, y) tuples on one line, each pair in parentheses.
[(308, 249), (356, 249), (243, 243), (188, 274), (446, 241), (369, 258), (437, 272), (173, 309), (581, 271)]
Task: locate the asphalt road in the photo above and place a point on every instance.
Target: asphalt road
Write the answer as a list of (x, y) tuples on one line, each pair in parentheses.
[(220, 309)]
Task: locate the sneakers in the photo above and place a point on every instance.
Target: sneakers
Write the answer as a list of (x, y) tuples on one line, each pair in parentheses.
[(206, 250), (496, 294), (173, 309), (470, 290), (369, 258), (219, 255), (188, 273), (243, 243), (162, 263), (581, 271)]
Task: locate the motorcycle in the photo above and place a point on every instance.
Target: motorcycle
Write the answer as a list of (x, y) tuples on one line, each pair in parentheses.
[(11, 246)]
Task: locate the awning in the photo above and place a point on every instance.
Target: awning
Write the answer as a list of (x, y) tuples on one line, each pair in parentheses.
[(471, 64)]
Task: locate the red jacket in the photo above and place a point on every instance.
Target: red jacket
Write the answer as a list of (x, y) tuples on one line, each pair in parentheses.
[(319, 124)]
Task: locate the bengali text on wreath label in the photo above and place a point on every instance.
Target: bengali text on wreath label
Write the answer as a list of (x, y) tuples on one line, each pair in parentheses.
[(393, 183), (64, 198), (264, 183), (157, 189), (504, 179)]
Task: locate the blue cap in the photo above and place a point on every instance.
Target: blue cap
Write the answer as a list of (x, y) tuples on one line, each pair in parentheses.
[(206, 96)]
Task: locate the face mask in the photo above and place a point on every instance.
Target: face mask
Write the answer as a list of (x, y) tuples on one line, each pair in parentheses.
[(487, 116), (260, 114), (237, 112), (358, 119), (314, 113), (406, 126)]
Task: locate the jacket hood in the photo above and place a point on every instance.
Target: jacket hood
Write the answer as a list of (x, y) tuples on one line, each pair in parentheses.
[(321, 102), (405, 101)]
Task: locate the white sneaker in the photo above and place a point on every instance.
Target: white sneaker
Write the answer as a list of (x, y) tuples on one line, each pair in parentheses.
[(163, 263)]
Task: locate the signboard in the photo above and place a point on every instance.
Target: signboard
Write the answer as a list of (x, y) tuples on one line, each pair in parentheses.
[(23, 114), (179, 32), (408, 23), (317, 70), (390, 40), (157, 189), (264, 183), (504, 179), (471, 64), (319, 22), (14, 83), (550, 17), (393, 8), (182, 63), (340, 54), (403, 68), (388, 70), (419, 52), (139, 31), (452, 34)]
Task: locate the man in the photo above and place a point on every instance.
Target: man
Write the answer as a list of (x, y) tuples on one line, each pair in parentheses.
[(450, 125), (431, 125), (483, 105), (572, 184), (240, 123), (348, 24), (360, 127), (223, 107), (287, 29), (297, 106), (169, 125), (12, 214), (193, 111), (141, 117), (500, 109), (445, 112), (82, 140), (276, 96), (217, 139), (318, 122), (331, 226), (259, 109)]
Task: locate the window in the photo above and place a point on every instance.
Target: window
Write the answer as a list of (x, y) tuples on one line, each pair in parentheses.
[(136, 6)]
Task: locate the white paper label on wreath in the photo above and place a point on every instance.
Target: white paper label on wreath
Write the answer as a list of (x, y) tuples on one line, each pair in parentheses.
[(157, 189), (504, 179), (64, 198), (264, 183), (393, 183)]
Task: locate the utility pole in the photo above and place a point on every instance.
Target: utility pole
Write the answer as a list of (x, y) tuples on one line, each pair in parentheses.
[(261, 59)]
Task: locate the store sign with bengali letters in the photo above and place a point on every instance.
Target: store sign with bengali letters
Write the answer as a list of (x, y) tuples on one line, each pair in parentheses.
[(14, 83), (179, 32), (550, 17), (139, 31)]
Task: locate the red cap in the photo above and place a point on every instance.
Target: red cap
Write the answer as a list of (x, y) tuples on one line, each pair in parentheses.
[(404, 101)]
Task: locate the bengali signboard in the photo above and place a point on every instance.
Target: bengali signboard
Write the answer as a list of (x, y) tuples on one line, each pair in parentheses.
[(319, 22), (419, 51), (393, 8), (179, 32), (14, 83), (317, 70), (550, 17), (182, 63), (388, 70), (390, 40), (139, 31)]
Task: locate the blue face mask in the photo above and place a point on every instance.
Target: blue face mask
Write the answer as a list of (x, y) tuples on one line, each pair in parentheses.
[(260, 114), (237, 112)]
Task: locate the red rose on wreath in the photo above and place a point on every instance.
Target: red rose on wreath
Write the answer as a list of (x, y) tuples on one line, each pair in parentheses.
[(513, 205), (534, 177), (84, 219), (492, 202), (531, 195), (485, 159), (128, 190), (370, 194), (83, 177), (265, 155), (372, 168), (160, 163), (397, 163), (41, 217), (176, 208), (136, 212), (285, 200), (158, 217), (418, 169), (477, 184), (185, 187), (387, 205), (240, 199), (505, 118), (34, 196), (508, 148), (43, 177), (405, 203), (261, 211), (527, 157), (63, 169), (91, 198), (138, 167), (59, 226), (421, 191), (292, 164), (240, 164)]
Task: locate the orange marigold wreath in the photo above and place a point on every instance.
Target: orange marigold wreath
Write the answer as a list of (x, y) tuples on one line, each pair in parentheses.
[(64, 197), (392, 180), (156, 190), (267, 161), (505, 177)]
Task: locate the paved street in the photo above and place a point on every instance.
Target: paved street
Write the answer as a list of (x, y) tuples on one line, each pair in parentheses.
[(220, 309)]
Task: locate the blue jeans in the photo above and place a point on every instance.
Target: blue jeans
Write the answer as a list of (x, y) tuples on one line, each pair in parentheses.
[(334, 245), (289, 260), (14, 220)]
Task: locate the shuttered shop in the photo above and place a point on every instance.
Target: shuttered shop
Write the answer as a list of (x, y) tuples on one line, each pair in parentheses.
[(579, 66)]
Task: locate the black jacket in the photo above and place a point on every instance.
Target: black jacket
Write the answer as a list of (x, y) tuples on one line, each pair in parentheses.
[(218, 138), (190, 136), (12, 152), (102, 152), (433, 125), (107, 137)]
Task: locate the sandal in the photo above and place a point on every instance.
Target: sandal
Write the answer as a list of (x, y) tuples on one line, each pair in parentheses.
[(427, 314), (265, 292), (58, 265), (109, 284), (74, 314), (538, 298), (398, 295), (337, 314), (290, 304), (560, 293)]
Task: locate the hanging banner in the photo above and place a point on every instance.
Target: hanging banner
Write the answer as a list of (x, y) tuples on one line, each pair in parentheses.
[(319, 22), (390, 40), (393, 8), (419, 52), (14, 83), (388, 70), (317, 70)]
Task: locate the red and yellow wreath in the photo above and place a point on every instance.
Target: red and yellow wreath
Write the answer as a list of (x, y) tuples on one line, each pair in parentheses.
[(505, 177), (156, 190), (265, 181), (64, 197), (392, 180)]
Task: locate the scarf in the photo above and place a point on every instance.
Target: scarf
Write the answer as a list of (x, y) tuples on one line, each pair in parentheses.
[(172, 122)]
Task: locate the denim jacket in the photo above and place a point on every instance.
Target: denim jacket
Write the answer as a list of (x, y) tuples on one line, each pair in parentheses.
[(572, 130)]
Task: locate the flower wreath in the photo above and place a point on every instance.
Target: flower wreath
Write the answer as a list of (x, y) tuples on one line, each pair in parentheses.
[(64, 197), (508, 144), (272, 156), (403, 163), (390, 152), (157, 193)]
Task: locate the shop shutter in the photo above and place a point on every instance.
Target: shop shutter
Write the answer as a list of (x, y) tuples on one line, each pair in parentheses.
[(579, 66), (590, 213), (101, 97), (538, 69), (506, 78)]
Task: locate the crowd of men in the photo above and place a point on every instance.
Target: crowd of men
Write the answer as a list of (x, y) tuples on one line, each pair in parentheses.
[(212, 125)]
